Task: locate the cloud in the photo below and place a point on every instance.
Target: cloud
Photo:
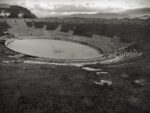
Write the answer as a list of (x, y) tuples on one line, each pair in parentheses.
[(73, 8), (63, 7), (70, 9)]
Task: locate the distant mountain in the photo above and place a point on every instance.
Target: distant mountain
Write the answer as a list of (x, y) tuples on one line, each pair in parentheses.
[(137, 11), (142, 13), (14, 10), (101, 15)]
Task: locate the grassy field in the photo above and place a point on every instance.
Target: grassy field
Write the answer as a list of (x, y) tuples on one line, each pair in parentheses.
[(44, 89), (32, 88)]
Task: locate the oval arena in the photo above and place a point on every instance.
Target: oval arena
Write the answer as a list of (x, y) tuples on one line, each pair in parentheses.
[(64, 47)]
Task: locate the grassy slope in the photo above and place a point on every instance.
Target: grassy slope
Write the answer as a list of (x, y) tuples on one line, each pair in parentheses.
[(43, 89)]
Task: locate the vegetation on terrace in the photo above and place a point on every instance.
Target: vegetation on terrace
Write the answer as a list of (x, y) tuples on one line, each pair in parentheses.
[(131, 32)]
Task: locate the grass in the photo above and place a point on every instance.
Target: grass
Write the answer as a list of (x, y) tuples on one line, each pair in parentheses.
[(27, 88)]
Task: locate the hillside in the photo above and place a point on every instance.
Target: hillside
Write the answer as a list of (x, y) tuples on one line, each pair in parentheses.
[(14, 10)]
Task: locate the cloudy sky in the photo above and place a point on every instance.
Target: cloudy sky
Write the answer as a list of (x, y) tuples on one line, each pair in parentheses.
[(43, 8)]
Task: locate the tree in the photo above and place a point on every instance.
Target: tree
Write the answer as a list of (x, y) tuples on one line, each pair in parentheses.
[(15, 10)]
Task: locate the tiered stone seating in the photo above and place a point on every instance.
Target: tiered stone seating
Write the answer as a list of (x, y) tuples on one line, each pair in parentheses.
[(110, 46)]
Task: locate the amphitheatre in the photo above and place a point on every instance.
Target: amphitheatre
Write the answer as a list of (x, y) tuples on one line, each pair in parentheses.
[(73, 64), (48, 69), (65, 47)]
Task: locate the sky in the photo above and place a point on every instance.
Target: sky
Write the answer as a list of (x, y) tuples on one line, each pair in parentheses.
[(45, 8)]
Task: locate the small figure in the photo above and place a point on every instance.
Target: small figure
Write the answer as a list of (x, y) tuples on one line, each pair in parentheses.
[(103, 82)]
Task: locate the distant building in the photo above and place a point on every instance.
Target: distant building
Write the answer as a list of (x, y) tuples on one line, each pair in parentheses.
[(20, 15), (3, 10), (7, 14)]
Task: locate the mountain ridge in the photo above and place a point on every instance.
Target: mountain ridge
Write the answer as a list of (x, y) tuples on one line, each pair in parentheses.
[(137, 11), (101, 15)]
